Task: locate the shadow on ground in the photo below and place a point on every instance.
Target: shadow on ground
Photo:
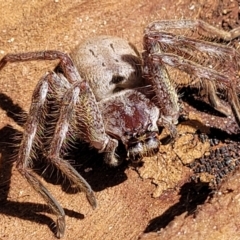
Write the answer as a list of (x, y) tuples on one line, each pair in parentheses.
[(192, 195)]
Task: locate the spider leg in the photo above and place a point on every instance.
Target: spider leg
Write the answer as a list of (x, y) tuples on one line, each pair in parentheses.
[(66, 63), (161, 36), (88, 123), (208, 54), (165, 94), (205, 60), (193, 68), (66, 116), (78, 102), (210, 90), (25, 152), (199, 26)]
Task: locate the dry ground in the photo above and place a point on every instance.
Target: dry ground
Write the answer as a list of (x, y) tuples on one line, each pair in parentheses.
[(128, 201)]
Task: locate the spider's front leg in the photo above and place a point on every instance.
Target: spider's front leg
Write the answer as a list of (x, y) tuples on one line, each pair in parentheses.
[(80, 111), (90, 126), (210, 62), (166, 98)]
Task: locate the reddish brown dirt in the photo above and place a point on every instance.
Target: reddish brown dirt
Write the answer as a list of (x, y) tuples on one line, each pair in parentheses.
[(128, 202)]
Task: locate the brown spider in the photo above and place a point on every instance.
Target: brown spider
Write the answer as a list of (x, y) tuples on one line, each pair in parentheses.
[(100, 97)]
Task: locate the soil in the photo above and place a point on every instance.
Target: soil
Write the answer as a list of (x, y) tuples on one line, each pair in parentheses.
[(158, 200)]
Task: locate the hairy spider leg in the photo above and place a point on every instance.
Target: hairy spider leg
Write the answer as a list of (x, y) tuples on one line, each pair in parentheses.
[(25, 150), (202, 72), (166, 98), (182, 55), (196, 25), (66, 63), (90, 125)]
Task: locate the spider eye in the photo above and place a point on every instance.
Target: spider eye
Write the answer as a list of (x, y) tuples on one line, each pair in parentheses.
[(117, 79)]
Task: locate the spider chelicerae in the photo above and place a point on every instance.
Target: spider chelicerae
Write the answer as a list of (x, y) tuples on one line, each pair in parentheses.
[(107, 92)]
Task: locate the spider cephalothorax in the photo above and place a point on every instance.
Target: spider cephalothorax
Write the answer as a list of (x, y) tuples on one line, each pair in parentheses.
[(106, 93), (132, 118)]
